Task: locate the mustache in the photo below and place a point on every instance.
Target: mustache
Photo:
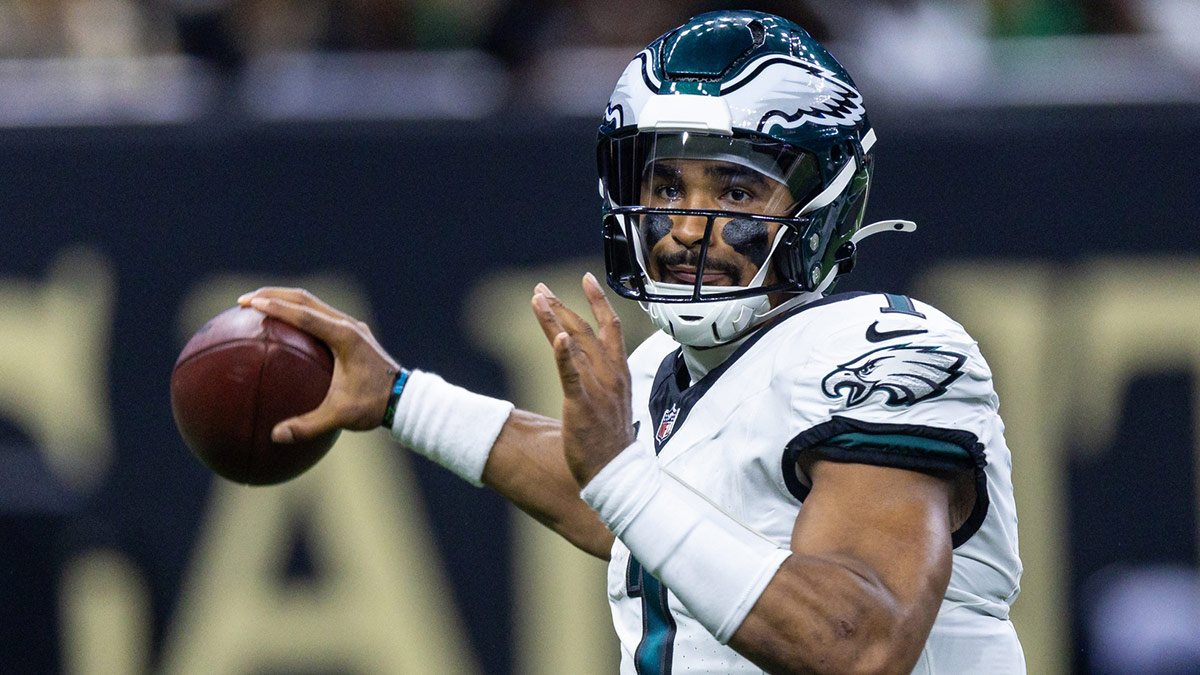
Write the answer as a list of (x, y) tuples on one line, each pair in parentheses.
[(691, 258)]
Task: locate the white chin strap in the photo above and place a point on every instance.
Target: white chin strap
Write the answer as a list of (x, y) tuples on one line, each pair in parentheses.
[(705, 324), (883, 226), (709, 324)]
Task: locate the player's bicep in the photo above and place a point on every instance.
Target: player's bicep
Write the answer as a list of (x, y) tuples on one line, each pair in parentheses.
[(871, 562), (890, 526), (854, 507)]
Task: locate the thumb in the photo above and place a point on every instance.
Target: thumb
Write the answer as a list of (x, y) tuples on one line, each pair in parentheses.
[(304, 427)]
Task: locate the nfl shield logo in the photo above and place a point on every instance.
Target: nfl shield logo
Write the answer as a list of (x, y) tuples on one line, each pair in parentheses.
[(667, 424)]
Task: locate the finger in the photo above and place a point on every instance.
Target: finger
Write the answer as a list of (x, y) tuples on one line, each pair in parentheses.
[(546, 318), (566, 354), (306, 426), (298, 296), (607, 321), (333, 330), (567, 318), (554, 332)]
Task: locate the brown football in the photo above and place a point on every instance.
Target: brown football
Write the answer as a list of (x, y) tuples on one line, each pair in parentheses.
[(238, 376)]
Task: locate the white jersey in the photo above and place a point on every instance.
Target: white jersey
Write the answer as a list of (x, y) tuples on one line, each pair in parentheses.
[(871, 378)]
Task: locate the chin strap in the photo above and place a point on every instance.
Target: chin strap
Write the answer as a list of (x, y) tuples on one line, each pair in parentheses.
[(819, 292), (845, 254), (883, 226)]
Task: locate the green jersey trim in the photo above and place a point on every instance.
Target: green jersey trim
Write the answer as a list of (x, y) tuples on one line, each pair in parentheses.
[(915, 447)]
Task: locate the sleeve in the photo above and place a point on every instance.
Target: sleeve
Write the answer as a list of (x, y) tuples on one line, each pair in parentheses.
[(909, 392)]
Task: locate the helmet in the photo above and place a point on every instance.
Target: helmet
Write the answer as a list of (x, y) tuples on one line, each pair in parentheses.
[(756, 93)]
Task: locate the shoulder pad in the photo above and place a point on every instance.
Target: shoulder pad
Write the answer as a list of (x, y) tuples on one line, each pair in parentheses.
[(884, 349)]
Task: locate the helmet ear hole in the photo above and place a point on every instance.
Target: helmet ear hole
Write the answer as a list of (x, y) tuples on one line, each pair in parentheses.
[(836, 154)]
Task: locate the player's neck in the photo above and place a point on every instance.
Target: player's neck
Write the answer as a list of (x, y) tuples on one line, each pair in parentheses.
[(700, 361)]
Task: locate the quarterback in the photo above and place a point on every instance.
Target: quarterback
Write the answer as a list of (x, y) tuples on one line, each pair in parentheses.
[(782, 479)]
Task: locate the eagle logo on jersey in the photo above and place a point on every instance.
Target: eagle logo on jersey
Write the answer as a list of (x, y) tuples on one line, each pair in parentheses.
[(905, 373)]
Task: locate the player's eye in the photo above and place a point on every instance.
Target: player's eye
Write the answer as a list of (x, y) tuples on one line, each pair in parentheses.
[(668, 192), (739, 197)]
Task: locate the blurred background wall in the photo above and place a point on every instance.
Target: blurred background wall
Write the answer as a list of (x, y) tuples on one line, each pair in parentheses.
[(422, 163)]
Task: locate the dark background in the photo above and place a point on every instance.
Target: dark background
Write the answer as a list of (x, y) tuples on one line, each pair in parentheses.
[(417, 213)]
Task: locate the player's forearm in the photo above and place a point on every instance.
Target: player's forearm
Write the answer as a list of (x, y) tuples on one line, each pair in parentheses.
[(487, 441), (826, 616), (526, 466)]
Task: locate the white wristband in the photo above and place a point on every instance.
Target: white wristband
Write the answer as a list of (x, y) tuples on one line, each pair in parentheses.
[(448, 424), (715, 566)]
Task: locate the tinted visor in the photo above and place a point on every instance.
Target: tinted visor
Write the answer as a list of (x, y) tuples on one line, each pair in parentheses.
[(630, 165)]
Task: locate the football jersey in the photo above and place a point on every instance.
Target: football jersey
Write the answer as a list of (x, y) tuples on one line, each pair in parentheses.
[(871, 378)]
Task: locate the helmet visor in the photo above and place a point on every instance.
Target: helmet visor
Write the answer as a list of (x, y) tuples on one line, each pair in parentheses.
[(637, 169)]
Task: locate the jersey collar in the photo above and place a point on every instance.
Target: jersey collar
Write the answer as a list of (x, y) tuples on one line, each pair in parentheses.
[(676, 388)]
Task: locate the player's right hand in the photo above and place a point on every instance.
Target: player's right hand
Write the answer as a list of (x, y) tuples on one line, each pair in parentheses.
[(363, 372)]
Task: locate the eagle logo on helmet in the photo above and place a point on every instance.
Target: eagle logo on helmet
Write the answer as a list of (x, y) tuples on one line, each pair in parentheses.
[(826, 99), (905, 374)]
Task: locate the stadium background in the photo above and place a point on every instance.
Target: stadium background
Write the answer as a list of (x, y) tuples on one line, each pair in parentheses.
[(424, 168)]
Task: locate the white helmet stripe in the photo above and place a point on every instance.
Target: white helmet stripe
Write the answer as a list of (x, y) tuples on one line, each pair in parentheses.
[(635, 238), (883, 226), (868, 140), (757, 281), (647, 70), (835, 188)]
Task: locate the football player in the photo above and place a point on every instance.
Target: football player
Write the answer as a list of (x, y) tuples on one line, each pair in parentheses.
[(781, 479)]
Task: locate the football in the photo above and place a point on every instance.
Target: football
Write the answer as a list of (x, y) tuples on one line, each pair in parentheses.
[(237, 377)]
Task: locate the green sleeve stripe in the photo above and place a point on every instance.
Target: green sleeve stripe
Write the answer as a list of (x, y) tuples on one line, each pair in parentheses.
[(914, 445)]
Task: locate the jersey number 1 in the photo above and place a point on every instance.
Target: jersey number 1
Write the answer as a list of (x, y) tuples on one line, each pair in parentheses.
[(653, 655)]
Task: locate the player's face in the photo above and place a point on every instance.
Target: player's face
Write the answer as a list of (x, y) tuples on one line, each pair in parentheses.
[(738, 247)]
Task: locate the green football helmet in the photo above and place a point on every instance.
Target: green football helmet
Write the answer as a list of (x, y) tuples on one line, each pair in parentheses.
[(756, 93)]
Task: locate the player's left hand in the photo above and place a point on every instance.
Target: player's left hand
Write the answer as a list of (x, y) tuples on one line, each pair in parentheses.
[(592, 366)]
